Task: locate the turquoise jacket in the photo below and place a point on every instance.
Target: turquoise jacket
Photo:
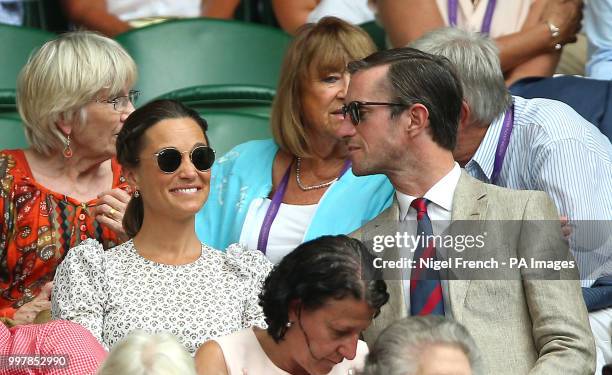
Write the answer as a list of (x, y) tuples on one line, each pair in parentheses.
[(245, 173)]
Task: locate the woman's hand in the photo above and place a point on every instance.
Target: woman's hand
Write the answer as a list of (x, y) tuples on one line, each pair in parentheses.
[(26, 313), (566, 15), (111, 208)]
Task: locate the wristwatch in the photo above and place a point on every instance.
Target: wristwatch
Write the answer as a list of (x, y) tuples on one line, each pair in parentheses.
[(554, 33)]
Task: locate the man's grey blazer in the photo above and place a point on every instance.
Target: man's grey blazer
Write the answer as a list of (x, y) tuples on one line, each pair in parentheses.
[(522, 325)]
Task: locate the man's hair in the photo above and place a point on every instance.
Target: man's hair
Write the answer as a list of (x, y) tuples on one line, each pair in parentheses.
[(146, 354), (398, 348), (418, 77), (476, 61)]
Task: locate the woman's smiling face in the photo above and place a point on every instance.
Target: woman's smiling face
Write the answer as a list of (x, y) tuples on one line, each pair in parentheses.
[(179, 194)]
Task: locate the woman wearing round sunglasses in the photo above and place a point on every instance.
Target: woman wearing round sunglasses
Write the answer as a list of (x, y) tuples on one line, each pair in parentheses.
[(73, 96), (164, 278), (274, 194)]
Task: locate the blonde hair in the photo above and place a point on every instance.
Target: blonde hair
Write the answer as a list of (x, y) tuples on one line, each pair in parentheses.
[(325, 47), (141, 353), (62, 77)]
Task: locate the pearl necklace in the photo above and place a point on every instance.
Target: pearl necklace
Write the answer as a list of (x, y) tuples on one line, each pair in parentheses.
[(313, 187)]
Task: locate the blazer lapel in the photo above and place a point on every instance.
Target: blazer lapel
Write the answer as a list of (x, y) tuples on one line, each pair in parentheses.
[(470, 199), (386, 224), (469, 203)]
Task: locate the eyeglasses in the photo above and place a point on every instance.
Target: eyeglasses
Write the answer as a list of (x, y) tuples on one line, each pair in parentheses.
[(169, 159), (353, 109), (121, 103)]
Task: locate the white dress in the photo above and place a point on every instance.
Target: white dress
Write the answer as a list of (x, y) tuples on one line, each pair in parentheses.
[(352, 11), (114, 292), (244, 356), (127, 10)]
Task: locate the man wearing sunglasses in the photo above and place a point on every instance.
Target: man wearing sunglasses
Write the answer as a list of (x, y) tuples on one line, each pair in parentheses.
[(401, 116), (567, 157)]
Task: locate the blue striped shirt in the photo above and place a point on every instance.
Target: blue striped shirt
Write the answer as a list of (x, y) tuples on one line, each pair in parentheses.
[(553, 149)]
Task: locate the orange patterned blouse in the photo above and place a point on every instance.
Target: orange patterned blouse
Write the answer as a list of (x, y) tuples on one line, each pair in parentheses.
[(37, 227)]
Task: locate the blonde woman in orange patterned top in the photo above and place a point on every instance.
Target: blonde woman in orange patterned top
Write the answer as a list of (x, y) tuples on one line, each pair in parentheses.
[(73, 97)]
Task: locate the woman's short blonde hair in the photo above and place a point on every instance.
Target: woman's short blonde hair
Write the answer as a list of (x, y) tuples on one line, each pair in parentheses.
[(62, 77), (325, 47), (148, 354)]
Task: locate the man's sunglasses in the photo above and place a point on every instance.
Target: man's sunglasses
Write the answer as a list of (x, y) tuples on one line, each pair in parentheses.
[(169, 159), (353, 109)]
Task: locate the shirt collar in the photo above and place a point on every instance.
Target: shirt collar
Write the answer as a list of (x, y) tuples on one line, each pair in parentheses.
[(440, 194), (484, 158)]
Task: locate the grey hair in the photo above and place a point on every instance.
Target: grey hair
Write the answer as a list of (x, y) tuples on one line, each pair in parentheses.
[(398, 348), (476, 61), (141, 353)]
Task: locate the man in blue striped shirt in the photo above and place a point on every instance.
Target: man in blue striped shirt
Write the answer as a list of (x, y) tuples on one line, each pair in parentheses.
[(537, 144)]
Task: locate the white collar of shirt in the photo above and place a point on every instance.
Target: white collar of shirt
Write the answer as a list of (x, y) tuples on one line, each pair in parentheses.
[(441, 194), (484, 158)]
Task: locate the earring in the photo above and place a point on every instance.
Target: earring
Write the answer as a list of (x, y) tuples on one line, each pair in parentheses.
[(67, 150), (289, 324), (136, 194)]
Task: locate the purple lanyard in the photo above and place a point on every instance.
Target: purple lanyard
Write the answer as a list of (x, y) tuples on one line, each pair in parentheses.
[(486, 22), (502, 143), (277, 199)]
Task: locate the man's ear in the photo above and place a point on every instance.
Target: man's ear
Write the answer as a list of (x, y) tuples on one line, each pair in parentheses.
[(464, 116), (417, 117)]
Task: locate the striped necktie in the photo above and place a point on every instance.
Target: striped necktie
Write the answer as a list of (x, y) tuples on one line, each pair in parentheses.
[(425, 285)]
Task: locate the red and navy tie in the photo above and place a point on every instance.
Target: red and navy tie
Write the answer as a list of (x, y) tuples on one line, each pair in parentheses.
[(425, 285)]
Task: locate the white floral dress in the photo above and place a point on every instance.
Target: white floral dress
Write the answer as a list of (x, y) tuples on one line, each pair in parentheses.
[(114, 292)]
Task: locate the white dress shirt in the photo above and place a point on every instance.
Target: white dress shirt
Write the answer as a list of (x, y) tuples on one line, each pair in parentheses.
[(439, 211)]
